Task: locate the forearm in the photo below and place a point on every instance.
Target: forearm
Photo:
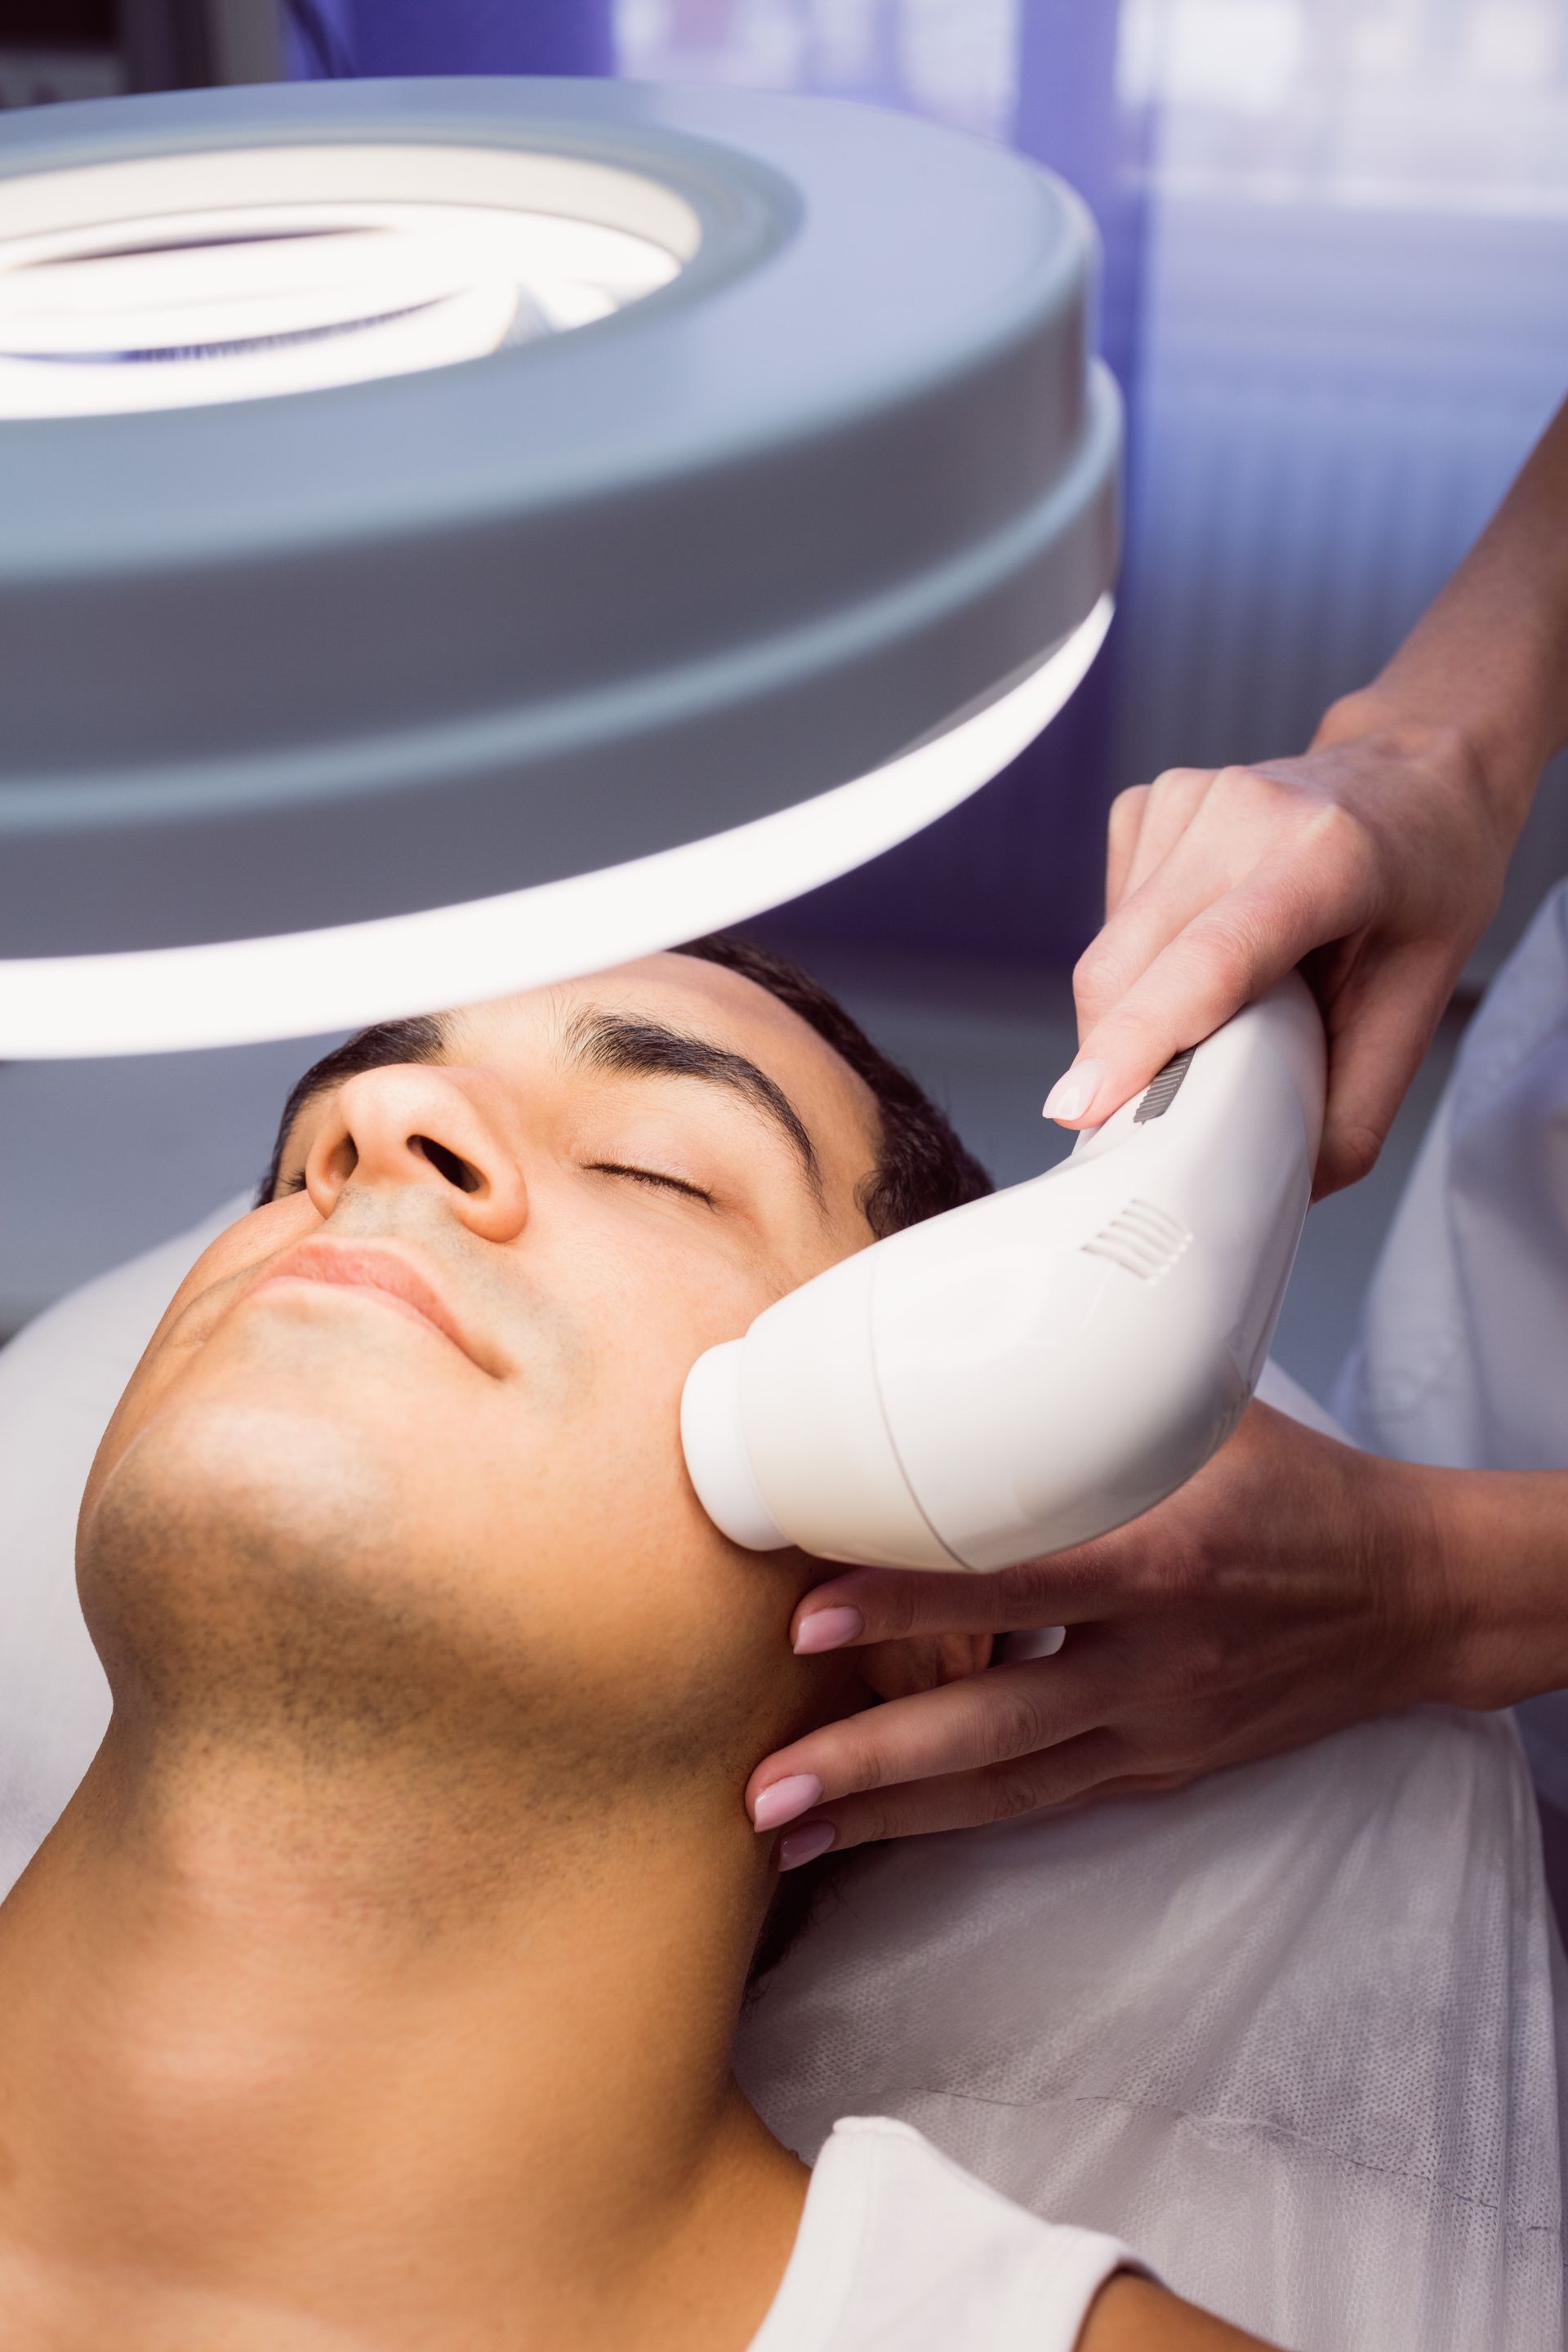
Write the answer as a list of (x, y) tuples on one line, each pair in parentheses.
[(1499, 1553), (1489, 660)]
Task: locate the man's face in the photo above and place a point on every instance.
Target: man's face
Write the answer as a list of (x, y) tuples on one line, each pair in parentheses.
[(405, 1449)]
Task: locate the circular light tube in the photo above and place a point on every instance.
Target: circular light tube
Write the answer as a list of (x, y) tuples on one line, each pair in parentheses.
[(180, 282), (237, 991)]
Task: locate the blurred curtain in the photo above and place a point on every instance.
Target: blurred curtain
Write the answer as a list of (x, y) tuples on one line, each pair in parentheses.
[(432, 36), (1355, 322), (333, 38), (1016, 875)]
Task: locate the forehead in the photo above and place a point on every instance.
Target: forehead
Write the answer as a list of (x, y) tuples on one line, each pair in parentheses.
[(701, 999)]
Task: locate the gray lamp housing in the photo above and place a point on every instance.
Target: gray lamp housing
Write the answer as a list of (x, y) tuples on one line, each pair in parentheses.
[(273, 664)]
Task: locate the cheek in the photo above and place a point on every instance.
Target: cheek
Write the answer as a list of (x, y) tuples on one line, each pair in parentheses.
[(599, 1464), (197, 1305), (581, 1538), (207, 1288)]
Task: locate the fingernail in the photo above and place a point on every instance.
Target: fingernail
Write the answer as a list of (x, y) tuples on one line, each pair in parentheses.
[(1043, 1643), (804, 1845), (827, 1629), (1075, 1091), (786, 1800)]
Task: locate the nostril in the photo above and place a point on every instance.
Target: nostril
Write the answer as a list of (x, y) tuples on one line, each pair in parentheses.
[(457, 1171)]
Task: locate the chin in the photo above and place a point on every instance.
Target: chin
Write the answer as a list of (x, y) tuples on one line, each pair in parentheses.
[(224, 1522)]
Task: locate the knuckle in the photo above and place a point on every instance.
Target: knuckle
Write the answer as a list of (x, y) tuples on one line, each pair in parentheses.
[(1097, 969), (1015, 1724), (1020, 1596), (893, 1611), (1239, 783), (1011, 1790), (1201, 1667), (861, 1764), (1166, 1575), (869, 1821), (1337, 832), (1230, 952)]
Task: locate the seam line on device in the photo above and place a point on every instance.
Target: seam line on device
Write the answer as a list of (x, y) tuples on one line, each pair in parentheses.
[(887, 1425)]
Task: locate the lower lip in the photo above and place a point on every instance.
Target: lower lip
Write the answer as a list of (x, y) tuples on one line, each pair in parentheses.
[(302, 1283)]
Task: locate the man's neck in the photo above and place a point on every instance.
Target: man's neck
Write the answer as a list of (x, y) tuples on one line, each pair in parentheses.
[(279, 2057)]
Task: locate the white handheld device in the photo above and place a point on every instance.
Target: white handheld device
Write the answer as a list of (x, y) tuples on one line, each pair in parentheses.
[(1027, 1371)]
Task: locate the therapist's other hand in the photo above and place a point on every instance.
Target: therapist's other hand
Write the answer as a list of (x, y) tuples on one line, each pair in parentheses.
[(1292, 1586), (1375, 860)]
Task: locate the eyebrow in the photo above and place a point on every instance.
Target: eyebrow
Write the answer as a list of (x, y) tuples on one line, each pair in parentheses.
[(647, 1049)]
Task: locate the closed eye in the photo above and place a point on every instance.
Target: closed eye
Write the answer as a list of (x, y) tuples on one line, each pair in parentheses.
[(651, 1176)]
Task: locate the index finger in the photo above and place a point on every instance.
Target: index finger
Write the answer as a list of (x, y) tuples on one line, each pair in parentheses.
[(891, 1605), (1219, 962), (993, 1718)]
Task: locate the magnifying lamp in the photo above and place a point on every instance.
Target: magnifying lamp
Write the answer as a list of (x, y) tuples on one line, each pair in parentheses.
[(459, 535), (456, 535)]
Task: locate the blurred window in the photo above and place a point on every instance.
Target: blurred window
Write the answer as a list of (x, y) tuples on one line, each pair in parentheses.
[(953, 59), (1440, 105), (1352, 323)]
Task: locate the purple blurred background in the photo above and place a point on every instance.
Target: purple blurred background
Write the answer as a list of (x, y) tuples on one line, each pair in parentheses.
[(1335, 294)]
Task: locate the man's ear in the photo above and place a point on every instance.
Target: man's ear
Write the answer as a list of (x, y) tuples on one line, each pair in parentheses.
[(923, 1662)]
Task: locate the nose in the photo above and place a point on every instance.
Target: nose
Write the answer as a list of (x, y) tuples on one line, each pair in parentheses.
[(446, 1128)]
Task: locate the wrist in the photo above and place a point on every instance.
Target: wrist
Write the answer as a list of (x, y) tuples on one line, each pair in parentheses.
[(1435, 1609), (1499, 1593), (1487, 753), (1450, 745), (1486, 659)]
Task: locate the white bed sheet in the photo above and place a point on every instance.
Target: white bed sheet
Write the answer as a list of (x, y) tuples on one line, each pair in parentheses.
[(1289, 2032)]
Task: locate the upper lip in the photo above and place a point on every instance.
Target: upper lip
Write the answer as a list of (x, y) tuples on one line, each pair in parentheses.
[(372, 1265)]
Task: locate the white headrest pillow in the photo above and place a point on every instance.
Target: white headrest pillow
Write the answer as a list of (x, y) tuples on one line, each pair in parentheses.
[(59, 1382)]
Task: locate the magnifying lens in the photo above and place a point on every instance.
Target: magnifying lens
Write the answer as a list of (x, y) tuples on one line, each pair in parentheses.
[(463, 533)]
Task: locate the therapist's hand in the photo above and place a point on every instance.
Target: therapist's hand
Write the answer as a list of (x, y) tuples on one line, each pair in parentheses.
[(1294, 1586), (1375, 859)]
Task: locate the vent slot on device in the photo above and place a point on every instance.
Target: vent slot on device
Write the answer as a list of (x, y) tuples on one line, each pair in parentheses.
[(1142, 1239)]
